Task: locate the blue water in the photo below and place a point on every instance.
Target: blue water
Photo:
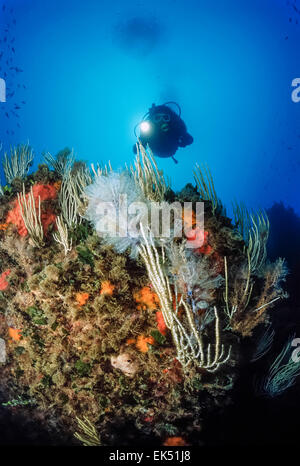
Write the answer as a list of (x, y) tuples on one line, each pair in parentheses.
[(92, 68)]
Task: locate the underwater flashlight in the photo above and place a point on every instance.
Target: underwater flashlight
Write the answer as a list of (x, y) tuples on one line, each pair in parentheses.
[(145, 126)]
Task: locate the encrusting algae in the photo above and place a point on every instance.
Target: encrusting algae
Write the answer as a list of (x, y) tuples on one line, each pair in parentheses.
[(118, 339)]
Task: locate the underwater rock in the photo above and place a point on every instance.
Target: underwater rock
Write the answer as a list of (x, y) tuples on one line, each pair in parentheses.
[(94, 335)]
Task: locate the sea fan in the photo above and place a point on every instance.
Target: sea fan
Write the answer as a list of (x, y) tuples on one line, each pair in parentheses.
[(195, 275)]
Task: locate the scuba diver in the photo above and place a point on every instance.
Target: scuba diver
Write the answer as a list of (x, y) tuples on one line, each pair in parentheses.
[(163, 130)]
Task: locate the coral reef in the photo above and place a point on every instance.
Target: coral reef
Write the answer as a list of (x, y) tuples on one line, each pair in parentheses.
[(113, 339)]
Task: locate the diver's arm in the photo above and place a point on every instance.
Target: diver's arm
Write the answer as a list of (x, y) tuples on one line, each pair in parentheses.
[(185, 140)]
